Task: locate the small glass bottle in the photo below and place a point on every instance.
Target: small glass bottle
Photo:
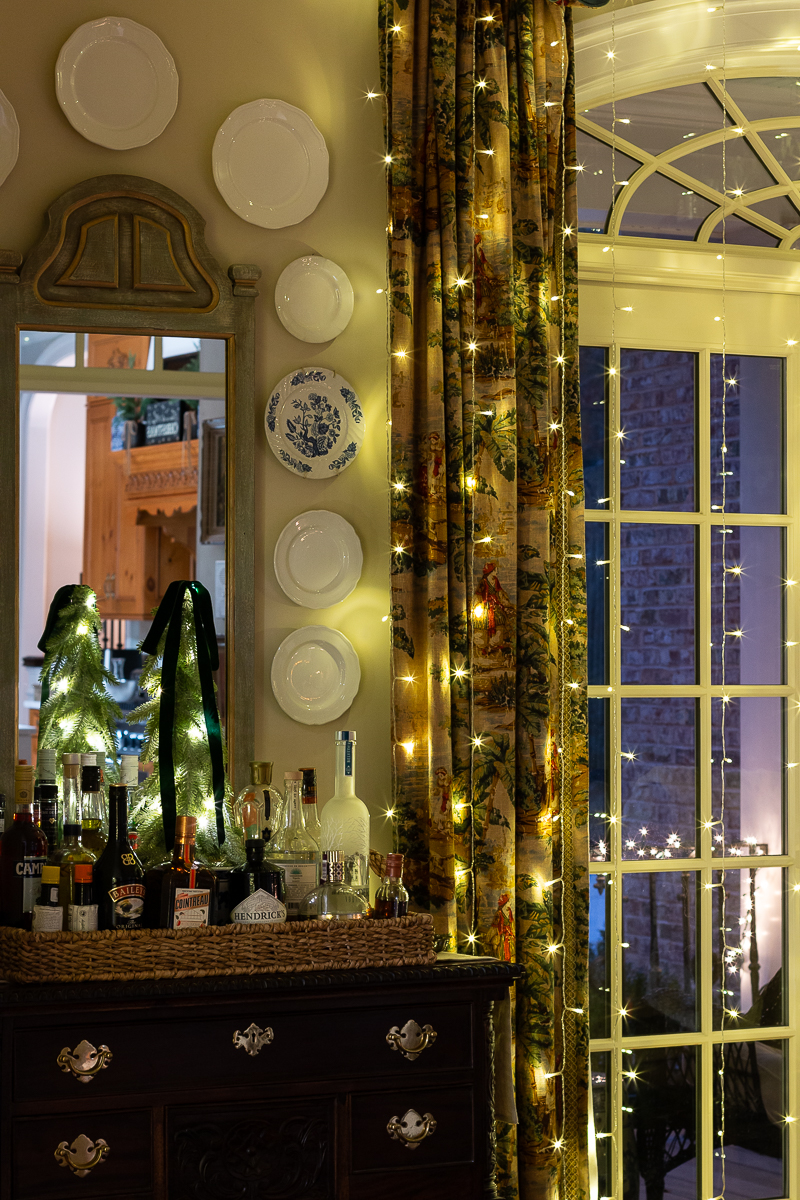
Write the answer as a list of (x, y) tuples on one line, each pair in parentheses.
[(258, 808), (294, 849), (391, 898), (82, 910), (345, 818), (178, 893), (310, 810), (48, 797), (72, 851), (24, 854), (333, 900), (48, 915), (93, 806)]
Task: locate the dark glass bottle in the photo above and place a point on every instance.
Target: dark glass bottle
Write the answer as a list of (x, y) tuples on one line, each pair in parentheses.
[(391, 898), (82, 910), (24, 854), (178, 893), (118, 874), (256, 875), (48, 798)]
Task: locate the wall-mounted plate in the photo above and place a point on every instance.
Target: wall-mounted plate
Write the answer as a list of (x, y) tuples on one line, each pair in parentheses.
[(318, 559), (314, 423), (315, 674), (9, 138), (117, 83), (314, 299)]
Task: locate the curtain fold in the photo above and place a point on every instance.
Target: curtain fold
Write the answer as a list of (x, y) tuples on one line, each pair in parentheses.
[(488, 580)]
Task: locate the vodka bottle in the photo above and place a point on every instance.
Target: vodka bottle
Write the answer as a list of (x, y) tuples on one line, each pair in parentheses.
[(345, 818)]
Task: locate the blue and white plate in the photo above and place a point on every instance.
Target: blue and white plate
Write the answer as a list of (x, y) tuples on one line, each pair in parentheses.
[(314, 423)]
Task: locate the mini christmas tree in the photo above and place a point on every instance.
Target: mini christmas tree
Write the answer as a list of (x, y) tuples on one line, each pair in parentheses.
[(77, 713), (183, 738)]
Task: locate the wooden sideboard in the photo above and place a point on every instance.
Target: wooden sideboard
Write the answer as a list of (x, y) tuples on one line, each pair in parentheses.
[(252, 1088)]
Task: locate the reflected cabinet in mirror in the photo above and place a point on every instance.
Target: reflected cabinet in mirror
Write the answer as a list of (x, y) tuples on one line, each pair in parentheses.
[(127, 447)]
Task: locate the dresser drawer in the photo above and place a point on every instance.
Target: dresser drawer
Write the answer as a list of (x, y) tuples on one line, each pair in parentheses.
[(412, 1129), (123, 1167), (248, 1047)]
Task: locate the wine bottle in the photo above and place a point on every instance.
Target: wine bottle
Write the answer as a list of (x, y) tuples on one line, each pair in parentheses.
[(345, 818), (294, 849), (24, 854), (310, 810), (48, 797), (118, 875), (178, 893), (93, 805)]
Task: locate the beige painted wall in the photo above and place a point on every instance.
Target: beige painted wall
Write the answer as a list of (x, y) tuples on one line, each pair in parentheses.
[(320, 55)]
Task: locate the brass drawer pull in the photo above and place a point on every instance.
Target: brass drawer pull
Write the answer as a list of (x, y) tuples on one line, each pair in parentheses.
[(83, 1155), (84, 1061), (253, 1039), (412, 1130), (411, 1040)]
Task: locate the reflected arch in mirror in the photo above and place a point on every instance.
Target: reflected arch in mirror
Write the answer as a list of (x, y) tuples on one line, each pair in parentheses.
[(125, 255)]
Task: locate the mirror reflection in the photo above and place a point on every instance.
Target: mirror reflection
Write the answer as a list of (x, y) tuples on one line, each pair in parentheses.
[(122, 488)]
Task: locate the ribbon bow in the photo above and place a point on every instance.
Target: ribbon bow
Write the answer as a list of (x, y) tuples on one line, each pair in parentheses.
[(169, 617), (62, 599)]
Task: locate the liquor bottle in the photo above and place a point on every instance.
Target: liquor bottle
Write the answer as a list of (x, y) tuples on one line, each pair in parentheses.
[(82, 910), (72, 851), (178, 893), (48, 915), (345, 818), (310, 810), (93, 803), (256, 875), (24, 853), (391, 898), (118, 875), (294, 849), (37, 795), (48, 797), (2, 813), (258, 807), (333, 900)]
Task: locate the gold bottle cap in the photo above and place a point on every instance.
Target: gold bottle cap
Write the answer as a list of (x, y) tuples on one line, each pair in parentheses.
[(50, 875), (185, 828), (261, 774)]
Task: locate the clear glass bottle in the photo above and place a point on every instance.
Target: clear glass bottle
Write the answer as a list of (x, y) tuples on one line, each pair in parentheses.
[(294, 849), (391, 898), (333, 900), (72, 851), (258, 809), (310, 810), (93, 806), (345, 818)]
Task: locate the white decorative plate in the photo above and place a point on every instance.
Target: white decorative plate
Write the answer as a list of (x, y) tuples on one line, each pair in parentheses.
[(314, 299), (314, 422), (315, 674), (9, 138), (270, 163), (318, 559), (117, 83)]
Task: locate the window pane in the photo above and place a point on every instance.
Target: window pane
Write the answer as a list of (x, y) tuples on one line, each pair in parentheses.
[(659, 1121), (753, 816), (753, 434), (753, 1075), (599, 963), (658, 960), (597, 601), (657, 569), (659, 777), (751, 946), (657, 120), (594, 417), (762, 98), (743, 168), (657, 416), (596, 181), (779, 209), (662, 208), (47, 348), (598, 779), (753, 604), (785, 145), (603, 1120), (742, 233), (116, 350)]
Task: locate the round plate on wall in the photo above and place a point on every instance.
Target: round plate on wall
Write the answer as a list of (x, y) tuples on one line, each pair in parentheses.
[(315, 674), (9, 138), (318, 559), (314, 423), (117, 83), (314, 299)]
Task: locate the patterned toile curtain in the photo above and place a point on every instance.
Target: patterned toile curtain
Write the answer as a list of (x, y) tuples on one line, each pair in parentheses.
[(488, 606)]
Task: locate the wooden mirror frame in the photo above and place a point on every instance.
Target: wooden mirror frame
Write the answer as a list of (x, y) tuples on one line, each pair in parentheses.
[(122, 253)]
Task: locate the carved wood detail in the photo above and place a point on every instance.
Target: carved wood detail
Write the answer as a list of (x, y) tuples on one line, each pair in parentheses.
[(181, 479)]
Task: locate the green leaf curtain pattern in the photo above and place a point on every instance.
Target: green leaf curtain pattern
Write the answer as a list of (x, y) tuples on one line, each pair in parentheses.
[(488, 601)]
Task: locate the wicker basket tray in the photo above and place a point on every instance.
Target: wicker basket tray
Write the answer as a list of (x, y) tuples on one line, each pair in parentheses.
[(225, 950)]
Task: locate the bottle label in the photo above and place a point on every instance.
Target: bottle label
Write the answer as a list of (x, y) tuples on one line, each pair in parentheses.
[(128, 901), (191, 908), (47, 919), (348, 758), (29, 869), (301, 878), (82, 918), (259, 909)]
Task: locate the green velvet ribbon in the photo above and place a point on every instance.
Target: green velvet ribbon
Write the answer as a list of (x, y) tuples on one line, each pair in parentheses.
[(62, 599), (169, 617)]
